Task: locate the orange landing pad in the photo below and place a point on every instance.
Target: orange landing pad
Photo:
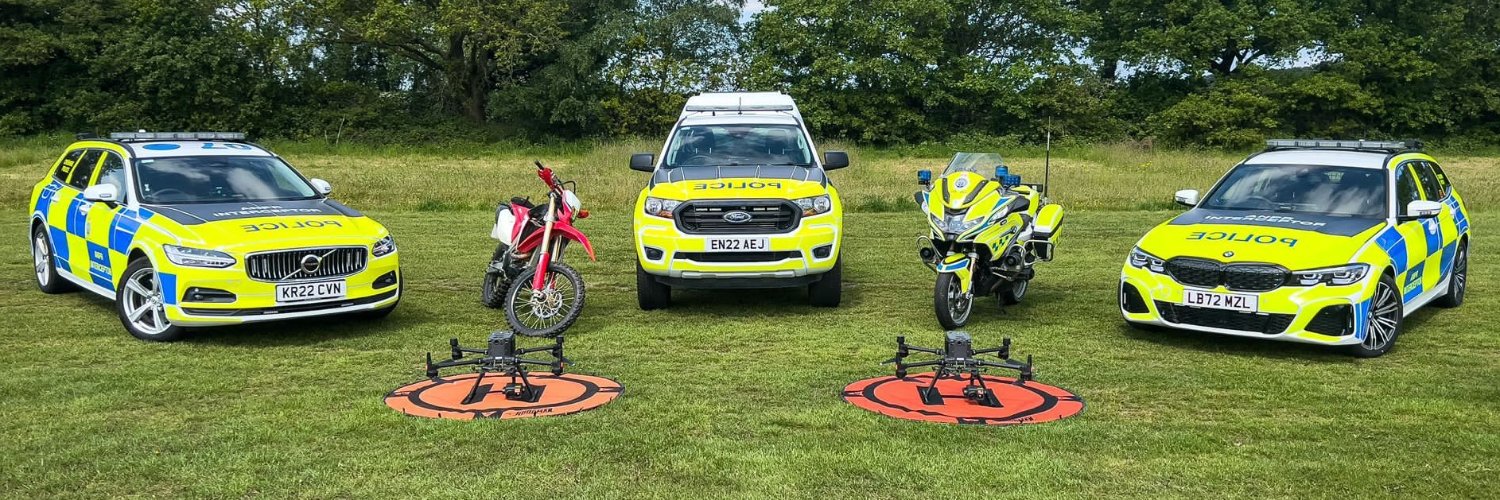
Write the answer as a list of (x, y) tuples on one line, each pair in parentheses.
[(443, 397), (1029, 403)]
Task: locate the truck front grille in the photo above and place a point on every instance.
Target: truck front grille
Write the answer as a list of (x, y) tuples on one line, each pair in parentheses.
[(713, 217)]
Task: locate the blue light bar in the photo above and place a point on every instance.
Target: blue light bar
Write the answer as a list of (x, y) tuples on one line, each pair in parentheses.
[(924, 176), (1000, 172), (1011, 180), (177, 136), (1336, 144)]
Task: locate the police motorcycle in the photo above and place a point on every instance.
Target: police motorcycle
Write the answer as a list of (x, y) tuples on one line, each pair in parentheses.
[(542, 295), (987, 232)]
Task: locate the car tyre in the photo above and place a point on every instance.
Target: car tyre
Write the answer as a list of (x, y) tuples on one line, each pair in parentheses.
[(1458, 281), (140, 303), (1383, 322), (42, 257), (828, 291), (650, 294)]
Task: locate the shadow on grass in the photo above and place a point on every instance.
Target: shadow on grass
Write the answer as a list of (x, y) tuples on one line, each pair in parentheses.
[(757, 301), (1233, 345), (304, 330)]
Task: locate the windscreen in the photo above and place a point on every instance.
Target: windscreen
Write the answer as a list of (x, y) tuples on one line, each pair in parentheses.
[(980, 163), (731, 145), (1347, 191), (219, 179)]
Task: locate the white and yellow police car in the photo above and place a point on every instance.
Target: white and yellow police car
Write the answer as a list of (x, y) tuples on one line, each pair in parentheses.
[(1326, 242), (187, 229)]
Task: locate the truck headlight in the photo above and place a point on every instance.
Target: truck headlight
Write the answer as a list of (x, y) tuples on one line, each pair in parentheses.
[(385, 246), (1139, 258), (1341, 275), (660, 207), (814, 205), (197, 257)]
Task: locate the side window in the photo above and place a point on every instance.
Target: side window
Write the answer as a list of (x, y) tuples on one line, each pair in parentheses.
[(1430, 186), (112, 171), (85, 169), (65, 167), (1406, 188), (1442, 179)]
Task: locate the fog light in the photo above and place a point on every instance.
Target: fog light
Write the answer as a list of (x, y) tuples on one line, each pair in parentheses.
[(823, 252), (209, 295), (385, 280), (653, 253)]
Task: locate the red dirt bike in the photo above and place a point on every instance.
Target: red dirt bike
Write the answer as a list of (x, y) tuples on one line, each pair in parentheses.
[(542, 296)]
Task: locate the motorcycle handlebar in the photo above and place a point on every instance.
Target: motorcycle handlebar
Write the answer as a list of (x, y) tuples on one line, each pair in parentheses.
[(546, 175)]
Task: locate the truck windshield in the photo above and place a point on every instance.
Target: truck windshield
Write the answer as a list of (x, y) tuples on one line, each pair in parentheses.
[(1347, 191), (219, 179), (728, 145)]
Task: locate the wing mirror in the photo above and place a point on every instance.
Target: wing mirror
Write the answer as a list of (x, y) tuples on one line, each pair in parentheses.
[(1422, 209), (1188, 197), (834, 160), (322, 186), (104, 193), (644, 162)]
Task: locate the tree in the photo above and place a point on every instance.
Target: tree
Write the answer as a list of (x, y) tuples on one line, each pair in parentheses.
[(1193, 37)]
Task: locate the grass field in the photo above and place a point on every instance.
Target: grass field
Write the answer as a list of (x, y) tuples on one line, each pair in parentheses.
[(736, 393)]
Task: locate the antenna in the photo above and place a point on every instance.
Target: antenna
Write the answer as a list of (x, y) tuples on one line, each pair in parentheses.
[(1047, 162)]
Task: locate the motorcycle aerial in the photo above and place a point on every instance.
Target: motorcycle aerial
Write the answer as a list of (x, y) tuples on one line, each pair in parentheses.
[(542, 296)]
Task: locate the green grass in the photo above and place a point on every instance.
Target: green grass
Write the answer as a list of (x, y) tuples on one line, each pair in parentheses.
[(736, 393)]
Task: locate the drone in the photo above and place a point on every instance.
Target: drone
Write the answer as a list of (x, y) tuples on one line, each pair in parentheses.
[(960, 358), (501, 356)]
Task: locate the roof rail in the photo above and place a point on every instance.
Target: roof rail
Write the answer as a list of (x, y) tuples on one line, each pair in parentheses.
[(1359, 145), (177, 136)]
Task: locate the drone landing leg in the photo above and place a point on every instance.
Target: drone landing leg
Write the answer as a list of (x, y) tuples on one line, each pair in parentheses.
[(522, 391), (478, 392), (929, 394)]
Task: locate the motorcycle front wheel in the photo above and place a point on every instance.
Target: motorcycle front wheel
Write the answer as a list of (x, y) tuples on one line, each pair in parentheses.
[(548, 311), (950, 303)]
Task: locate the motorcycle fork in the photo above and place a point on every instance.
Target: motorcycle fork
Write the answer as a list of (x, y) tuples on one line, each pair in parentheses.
[(544, 256)]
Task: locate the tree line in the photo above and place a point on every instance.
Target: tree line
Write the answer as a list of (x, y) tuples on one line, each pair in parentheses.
[(1220, 73)]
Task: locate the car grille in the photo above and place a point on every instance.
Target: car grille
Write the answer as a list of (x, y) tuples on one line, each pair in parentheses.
[(1241, 277), (1267, 323), (286, 265), (766, 216), (739, 256)]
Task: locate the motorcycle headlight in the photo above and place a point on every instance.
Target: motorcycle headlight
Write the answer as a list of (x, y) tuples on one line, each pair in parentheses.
[(571, 200), (1139, 258), (957, 225), (814, 205), (660, 207), (384, 247), (197, 257), (1341, 275)]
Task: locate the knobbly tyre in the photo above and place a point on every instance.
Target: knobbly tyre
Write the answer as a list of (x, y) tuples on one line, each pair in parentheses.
[(986, 233), (541, 294)]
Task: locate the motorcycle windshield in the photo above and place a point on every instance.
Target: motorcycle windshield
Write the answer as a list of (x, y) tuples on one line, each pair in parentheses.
[(979, 163)]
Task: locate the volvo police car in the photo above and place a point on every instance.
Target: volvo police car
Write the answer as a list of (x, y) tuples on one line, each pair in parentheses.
[(1326, 242), (188, 229), (738, 198)]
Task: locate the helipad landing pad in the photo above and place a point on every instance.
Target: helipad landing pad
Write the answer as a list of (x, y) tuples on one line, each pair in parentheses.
[(444, 397), (1030, 403)]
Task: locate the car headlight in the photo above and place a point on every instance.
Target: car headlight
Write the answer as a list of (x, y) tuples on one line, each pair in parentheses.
[(956, 223), (661, 207), (1341, 275), (814, 205), (385, 246), (197, 257), (1139, 258)]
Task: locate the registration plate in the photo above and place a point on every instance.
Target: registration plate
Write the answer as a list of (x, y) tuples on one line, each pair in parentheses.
[(737, 244), (1231, 301), (310, 291)]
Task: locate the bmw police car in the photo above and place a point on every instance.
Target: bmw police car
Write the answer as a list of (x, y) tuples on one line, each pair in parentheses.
[(1326, 242), (186, 229)]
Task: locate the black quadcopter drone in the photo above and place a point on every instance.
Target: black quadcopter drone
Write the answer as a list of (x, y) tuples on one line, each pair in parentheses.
[(501, 356), (960, 358)]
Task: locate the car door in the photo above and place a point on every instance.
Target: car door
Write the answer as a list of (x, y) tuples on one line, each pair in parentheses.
[(1411, 267), (75, 213), (52, 204), (103, 222), (1442, 231)]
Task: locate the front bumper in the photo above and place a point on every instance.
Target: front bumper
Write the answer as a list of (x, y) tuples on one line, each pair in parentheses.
[(378, 286), (791, 258), (1322, 314)]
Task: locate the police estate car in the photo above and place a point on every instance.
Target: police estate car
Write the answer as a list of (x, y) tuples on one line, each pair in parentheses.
[(1327, 242), (186, 229)]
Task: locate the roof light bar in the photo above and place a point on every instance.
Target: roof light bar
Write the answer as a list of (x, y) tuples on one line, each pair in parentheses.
[(177, 136), (1318, 143), (738, 107)]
